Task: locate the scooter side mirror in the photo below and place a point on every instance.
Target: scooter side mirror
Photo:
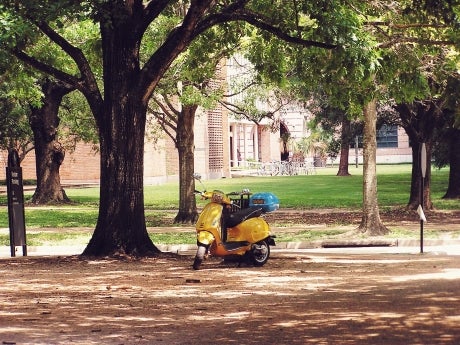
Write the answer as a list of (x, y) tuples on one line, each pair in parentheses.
[(197, 177)]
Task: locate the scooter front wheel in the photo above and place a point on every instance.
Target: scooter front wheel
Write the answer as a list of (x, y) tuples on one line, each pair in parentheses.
[(260, 253), (200, 252)]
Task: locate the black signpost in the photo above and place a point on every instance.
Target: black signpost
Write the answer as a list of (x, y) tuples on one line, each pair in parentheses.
[(422, 187), (15, 190)]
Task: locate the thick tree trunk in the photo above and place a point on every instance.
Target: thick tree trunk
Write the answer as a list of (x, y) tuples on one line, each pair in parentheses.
[(121, 118), (371, 223), (49, 154), (345, 138), (185, 146), (453, 189), (121, 227)]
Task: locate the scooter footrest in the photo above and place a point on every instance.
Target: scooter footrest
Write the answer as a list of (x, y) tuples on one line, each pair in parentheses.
[(229, 246)]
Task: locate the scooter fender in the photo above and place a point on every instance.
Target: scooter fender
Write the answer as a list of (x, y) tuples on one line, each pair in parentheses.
[(205, 238)]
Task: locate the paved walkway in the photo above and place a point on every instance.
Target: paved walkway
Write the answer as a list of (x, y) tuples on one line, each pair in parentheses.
[(401, 246)]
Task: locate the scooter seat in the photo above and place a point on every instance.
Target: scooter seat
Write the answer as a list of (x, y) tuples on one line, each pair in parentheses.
[(240, 216)]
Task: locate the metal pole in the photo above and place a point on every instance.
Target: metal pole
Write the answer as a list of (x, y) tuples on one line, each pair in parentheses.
[(422, 187), (421, 220)]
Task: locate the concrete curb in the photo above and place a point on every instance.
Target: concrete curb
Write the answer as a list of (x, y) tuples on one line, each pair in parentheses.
[(391, 245)]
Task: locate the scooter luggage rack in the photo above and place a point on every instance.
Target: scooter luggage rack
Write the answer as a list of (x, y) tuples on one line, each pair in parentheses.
[(239, 203)]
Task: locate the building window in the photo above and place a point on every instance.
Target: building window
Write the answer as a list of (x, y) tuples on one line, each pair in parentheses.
[(387, 136), (215, 137)]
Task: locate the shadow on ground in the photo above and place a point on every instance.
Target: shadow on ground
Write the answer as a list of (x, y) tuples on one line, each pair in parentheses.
[(324, 298)]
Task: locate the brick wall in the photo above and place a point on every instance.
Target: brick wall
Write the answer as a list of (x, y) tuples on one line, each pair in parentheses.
[(82, 164)]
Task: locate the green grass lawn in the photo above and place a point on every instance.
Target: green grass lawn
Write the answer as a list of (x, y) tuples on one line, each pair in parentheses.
[(322, 190)]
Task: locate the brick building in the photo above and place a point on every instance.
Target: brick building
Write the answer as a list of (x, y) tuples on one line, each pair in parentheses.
[(161, 158), (222, 142)]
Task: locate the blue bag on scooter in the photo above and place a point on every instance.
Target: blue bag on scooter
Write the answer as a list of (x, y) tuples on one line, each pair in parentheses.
[(269, 202)]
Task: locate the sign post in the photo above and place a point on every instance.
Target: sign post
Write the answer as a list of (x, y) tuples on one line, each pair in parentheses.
[(422, 187), (15, 204)]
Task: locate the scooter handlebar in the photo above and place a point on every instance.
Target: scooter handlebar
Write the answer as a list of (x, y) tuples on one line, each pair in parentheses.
[(204, 194)]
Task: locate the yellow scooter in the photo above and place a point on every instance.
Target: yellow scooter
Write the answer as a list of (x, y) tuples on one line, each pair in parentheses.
[(224, 232)]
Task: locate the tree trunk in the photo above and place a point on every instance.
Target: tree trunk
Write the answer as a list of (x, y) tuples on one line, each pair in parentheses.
[(419, 120), (345, 138), (453, 189), (49, 154), (416, 178), (185, 146), (371, 223), (121, 228)]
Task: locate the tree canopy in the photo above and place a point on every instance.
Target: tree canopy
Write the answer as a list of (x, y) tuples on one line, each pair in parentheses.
[(119, 103), (350, 55)]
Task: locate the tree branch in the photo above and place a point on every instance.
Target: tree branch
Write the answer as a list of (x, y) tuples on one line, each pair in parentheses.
[(195, 22), (405, 26), (151, 11), (176, 42), (399, 40), (246, 87), (45, 68), (165, 119), (171, 106), (165, 114), (235, 109), (259, 22), (76, 54)]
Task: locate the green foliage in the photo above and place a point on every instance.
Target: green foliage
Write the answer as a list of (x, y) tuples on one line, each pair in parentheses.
[(17, 92), (21, 87), (47, 10), (14, 31), (366, 61), (384, 50), (76, 122), (196, 67)]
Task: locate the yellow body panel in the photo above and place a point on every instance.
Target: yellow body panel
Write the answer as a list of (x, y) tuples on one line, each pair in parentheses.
[(218, 249), (208, 228), (209, 218), (205, 237), (251, 230), (208, 224)]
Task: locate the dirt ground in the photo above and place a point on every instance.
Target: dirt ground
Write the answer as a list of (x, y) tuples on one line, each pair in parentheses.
[(298, 297)]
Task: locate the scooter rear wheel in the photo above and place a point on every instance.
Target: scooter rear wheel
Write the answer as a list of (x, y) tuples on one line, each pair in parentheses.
[(260, 253), (200, 252)]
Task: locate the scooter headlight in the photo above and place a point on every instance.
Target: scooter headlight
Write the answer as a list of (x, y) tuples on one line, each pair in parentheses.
[(218, 197)]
